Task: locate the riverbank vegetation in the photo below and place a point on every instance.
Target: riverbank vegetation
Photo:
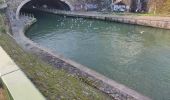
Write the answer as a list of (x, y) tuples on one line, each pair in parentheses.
[(165, 8), (54, 84), (159, 8)]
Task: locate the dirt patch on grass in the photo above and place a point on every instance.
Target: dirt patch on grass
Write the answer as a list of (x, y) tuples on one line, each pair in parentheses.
[(2, 94)]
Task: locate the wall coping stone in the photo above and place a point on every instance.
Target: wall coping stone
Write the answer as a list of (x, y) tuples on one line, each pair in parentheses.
[(17, 83)]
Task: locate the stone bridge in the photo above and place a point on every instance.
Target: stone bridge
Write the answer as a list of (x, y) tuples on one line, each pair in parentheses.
[(15, 5), (74, 5)]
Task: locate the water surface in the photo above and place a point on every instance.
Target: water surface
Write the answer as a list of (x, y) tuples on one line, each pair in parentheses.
[(136, 56)]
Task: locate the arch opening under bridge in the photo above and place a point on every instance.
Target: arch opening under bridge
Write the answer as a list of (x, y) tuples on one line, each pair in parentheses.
[(52, 4)]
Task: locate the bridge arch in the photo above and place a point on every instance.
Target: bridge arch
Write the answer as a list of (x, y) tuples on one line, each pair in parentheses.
[(24, 2)]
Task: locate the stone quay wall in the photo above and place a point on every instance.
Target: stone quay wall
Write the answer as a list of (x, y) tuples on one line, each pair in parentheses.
[(151, 21)]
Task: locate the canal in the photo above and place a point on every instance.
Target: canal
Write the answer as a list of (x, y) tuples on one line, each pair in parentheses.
[(136, 56)]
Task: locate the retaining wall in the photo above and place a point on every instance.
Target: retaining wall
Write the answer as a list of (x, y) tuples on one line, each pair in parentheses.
[(158, 22)]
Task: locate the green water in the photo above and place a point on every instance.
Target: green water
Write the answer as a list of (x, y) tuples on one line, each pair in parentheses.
[(136, 56)]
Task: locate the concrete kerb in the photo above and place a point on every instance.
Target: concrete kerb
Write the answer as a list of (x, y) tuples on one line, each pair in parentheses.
[(16, 82), (6, 65), (104, 84)]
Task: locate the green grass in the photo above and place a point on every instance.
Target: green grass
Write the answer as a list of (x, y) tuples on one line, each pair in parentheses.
[(53, 83)]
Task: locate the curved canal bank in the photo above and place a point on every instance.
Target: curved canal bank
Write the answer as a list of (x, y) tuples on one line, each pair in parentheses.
[(45, 77), (53, 59), (115, 90), (110, 87), (147, 41)]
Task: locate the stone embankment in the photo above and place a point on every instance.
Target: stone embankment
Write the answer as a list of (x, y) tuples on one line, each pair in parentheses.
[(151, 21), (110, 87), (115, 90), (104, 84)]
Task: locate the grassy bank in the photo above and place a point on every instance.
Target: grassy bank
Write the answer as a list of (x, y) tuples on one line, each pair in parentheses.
[(54, 84)]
